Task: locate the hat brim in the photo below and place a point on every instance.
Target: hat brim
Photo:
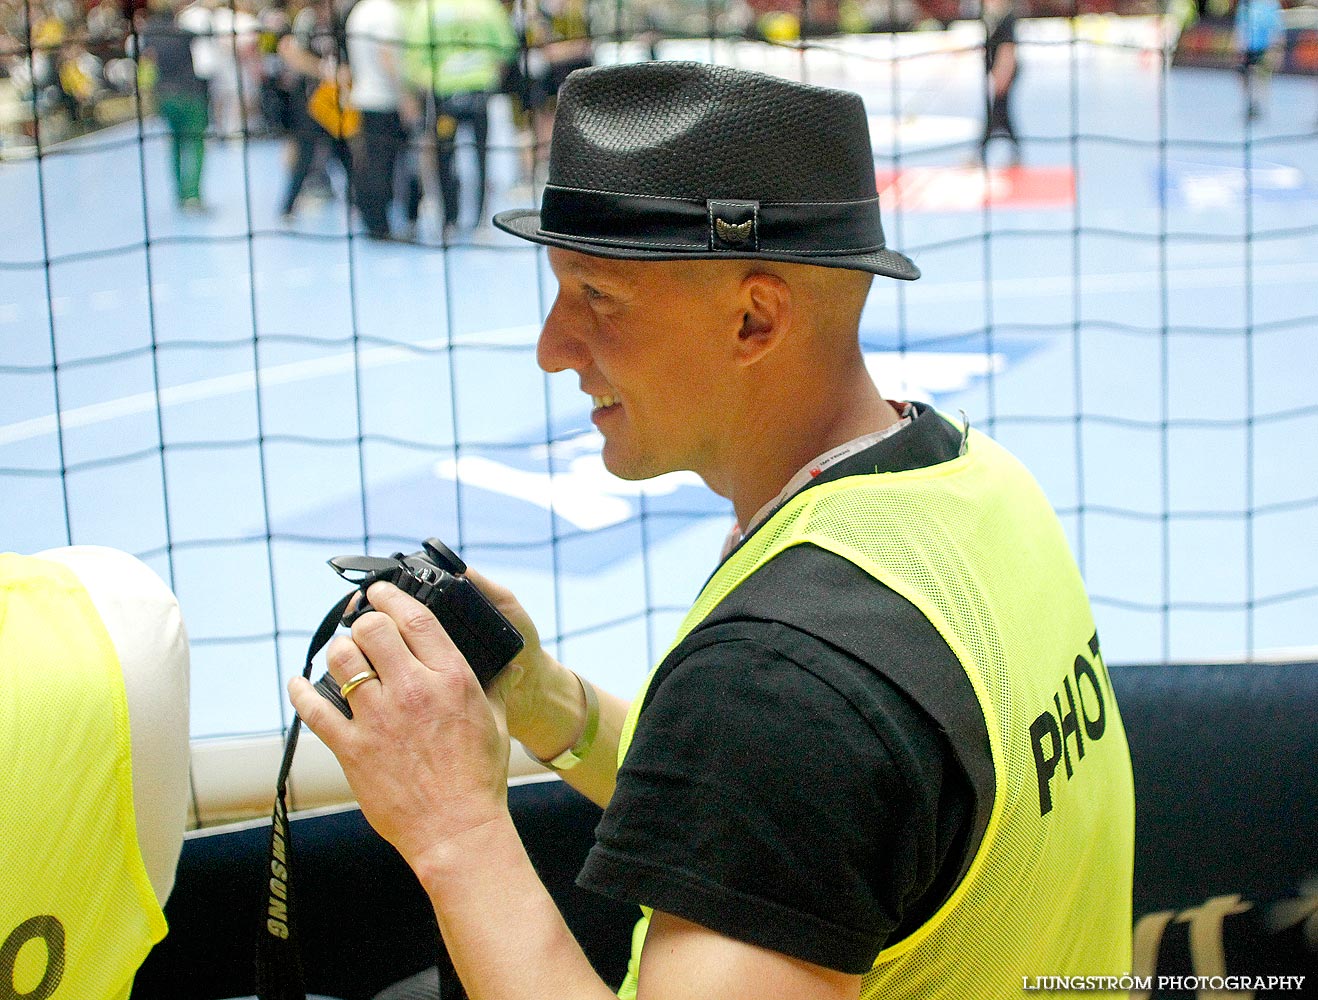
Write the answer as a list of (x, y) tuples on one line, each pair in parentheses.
[(525, 223)]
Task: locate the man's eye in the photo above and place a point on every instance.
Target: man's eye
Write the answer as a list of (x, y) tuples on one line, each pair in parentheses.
[(593, 293)]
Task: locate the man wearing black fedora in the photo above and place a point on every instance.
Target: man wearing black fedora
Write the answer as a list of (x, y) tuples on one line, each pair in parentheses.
[(882, 756)]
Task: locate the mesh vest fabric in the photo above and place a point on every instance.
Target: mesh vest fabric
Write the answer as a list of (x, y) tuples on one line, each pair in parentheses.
[(77, 911), (974, 545)]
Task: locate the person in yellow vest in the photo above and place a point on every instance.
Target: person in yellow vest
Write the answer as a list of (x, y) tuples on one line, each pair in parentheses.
[(882, 757), (454, 56), (94, 720)]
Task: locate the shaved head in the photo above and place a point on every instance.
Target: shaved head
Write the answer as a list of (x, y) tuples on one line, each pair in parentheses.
[(830, 298)]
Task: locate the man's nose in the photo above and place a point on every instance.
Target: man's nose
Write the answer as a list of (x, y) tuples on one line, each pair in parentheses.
[(559, 348)]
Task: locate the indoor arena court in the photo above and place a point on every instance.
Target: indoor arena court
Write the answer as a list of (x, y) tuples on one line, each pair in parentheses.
[(235, 399)]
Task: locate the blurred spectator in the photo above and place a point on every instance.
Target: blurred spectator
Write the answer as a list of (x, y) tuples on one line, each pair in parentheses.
[(315, 50), (13, 109), (105, 22), (45, 32), (375, 51), (79, 73), (1002, 68), (556, 37), (180, 97), (233, 81), (197, 18), (48, 33), (277, 83), (456, 54), (523, 81), (16, 85), (1258, 32), (567, 46)]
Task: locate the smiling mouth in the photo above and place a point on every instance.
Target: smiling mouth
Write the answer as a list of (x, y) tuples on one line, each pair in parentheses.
[(602, 403)]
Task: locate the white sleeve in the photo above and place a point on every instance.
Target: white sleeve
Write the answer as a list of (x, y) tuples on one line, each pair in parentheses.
[(198, 21)]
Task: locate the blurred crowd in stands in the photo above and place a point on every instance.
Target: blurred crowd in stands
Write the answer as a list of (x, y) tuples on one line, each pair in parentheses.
[(377, 98), (359, 90), (68, 64), (68, 54)]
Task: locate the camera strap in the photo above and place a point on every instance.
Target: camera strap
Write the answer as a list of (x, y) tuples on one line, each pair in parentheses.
[(278, 955)]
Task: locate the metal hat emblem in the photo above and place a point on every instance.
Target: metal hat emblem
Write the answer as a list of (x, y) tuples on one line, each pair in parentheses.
[(730, 232)]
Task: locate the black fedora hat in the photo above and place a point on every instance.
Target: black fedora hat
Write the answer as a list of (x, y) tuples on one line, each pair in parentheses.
[(677, 160)]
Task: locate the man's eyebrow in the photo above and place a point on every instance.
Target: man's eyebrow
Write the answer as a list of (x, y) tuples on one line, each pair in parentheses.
[(589, 274), (571, 268)]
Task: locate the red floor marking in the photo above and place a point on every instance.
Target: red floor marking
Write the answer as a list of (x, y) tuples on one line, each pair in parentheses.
[(967, 189)]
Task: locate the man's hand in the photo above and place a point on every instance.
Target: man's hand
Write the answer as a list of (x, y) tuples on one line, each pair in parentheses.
[(426, 752), (544, 705), (518, 684)]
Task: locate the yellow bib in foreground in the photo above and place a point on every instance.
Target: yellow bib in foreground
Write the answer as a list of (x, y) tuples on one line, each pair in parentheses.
[(974, 544), (77, 911)]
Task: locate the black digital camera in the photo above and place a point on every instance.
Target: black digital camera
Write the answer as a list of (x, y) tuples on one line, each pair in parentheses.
[(434, 576), (488, 641)]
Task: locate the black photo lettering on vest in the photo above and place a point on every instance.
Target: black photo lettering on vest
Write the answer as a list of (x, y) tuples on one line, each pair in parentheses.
[(1045, 763), (1070, 726), (1079, 712), (43, 928), (1093, 727)]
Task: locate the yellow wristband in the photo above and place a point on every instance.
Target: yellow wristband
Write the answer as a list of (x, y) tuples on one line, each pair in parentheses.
[(574, 754)]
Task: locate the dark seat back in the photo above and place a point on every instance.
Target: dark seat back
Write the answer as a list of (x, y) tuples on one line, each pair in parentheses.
[(362, 918)]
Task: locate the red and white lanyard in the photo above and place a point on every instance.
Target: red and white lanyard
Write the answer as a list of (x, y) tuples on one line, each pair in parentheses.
[(815, 468)]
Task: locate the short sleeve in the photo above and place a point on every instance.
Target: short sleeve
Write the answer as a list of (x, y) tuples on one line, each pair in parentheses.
[(779, 792)]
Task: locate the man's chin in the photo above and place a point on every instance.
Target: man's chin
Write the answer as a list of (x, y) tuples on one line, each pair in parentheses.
[(633, 473), (632, 468)]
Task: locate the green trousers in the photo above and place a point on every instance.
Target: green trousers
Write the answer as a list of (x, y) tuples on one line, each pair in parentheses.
[(187, 118)]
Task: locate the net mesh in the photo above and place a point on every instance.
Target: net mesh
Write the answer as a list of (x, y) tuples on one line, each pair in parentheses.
[(235, 396)]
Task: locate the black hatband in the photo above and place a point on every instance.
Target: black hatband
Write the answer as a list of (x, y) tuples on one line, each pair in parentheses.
[(676, 225)]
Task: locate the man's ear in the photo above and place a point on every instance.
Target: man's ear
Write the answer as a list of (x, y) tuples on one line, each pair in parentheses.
[(766, 317)]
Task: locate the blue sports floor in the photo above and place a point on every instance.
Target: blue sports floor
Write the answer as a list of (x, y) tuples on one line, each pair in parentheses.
[(1147, 347)]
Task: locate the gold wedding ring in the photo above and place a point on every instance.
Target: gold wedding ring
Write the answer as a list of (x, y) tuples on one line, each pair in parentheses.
[(356, 681)]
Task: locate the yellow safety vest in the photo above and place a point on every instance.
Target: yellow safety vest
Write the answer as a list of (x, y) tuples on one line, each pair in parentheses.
[(77, 911), (974, 544)]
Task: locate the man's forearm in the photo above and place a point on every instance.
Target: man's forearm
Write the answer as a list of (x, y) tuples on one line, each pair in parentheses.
[(558, 720), (597, 773), (500, 926)]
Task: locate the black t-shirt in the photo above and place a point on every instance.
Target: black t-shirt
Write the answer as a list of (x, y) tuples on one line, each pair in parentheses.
[(171, 49), (787, 793)]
